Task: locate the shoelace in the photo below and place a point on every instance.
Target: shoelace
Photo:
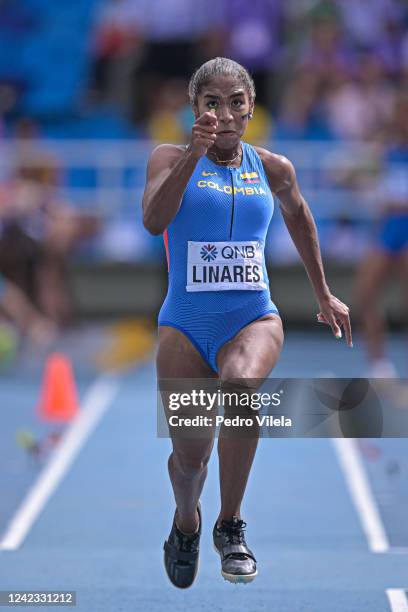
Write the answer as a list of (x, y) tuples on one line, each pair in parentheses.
[(234, 531)]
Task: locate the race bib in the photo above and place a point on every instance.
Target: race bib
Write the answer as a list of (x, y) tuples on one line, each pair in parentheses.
[(225, 266)]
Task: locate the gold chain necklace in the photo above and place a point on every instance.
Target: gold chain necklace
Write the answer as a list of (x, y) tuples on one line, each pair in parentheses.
[(227, 161)]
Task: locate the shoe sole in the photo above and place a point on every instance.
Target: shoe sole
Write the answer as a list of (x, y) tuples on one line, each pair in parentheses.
[(236, 578)]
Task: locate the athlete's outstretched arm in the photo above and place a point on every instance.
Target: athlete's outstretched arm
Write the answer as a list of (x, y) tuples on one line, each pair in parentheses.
[(302, 228)]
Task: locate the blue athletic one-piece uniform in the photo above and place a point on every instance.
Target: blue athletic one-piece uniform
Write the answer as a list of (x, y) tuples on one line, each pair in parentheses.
[(218, 281)]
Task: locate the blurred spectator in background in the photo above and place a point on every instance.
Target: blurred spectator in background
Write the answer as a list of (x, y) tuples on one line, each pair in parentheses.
[(366, 21), (318, 59), (15, 306), (390, 251), (345, 240), (358, 108), (170, 117), (251, 33), (117, 42), (325, 51), (17, 20), (178, 38), (38, 230), (34, 162), (377, 25), (9, 100), (300, 116)]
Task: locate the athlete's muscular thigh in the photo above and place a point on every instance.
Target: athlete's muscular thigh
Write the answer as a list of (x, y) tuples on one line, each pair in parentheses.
[(254, 351), (177, 358)]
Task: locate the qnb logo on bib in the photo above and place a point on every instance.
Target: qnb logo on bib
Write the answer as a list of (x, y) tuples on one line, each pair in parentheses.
[(223, 266), (209, 252)]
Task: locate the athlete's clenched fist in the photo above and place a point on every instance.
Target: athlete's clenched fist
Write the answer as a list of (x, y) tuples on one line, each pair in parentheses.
[(203, 134)]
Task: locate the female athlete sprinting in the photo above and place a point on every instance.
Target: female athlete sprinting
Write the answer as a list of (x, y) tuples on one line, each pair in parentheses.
[(209, 200)]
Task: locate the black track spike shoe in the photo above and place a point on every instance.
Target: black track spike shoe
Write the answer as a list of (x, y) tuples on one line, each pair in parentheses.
[(181, 555), (238, 563)]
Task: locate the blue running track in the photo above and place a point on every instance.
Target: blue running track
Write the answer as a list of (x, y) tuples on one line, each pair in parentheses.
[(100, 531)]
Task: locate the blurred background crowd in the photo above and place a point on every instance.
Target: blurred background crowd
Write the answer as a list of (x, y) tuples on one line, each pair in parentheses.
[(88, 87), (323, 69)]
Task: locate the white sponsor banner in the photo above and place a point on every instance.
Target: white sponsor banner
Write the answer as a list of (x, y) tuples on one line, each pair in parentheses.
[(225, 266)]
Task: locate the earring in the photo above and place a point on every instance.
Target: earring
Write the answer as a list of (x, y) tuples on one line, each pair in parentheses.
[(250, 116)]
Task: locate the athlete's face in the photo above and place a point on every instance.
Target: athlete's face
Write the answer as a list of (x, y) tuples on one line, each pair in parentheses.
[(230, 100)]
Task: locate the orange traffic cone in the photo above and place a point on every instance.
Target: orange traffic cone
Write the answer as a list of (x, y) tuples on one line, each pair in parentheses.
[(59, 400)]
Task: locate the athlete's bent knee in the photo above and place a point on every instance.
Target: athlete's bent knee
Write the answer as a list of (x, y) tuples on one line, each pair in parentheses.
[(236, 394), (189, 466), (237, 379)]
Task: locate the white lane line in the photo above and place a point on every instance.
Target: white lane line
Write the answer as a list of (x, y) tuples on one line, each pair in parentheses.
[(96, 402), (361, 494), (398, 600), (399, 550)]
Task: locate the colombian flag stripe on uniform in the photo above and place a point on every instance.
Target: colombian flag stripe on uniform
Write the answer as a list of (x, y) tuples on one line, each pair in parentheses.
[(250, 177)]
